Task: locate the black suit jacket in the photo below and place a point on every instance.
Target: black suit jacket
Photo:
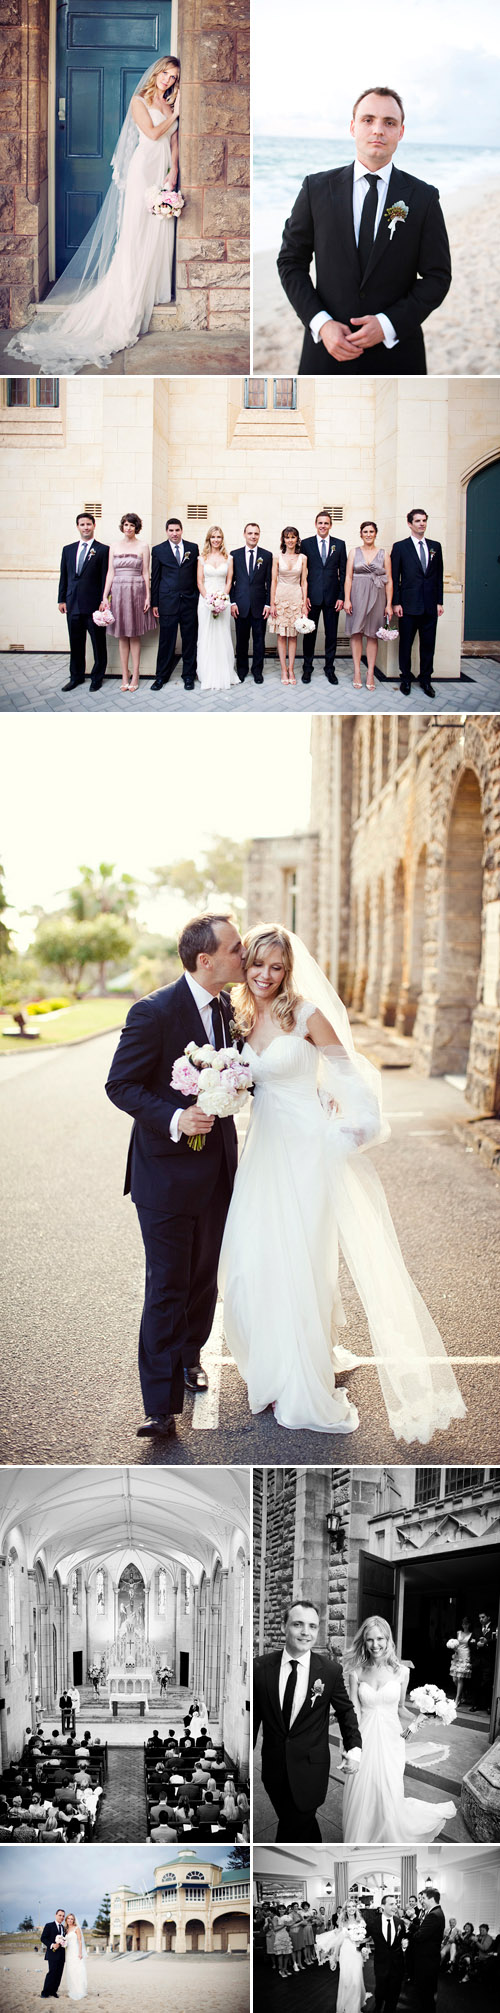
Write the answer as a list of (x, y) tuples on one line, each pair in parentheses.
[(161, 1175), (172, 586), (253, 595), (426, 1949), (83, 591), (389, 1962), (48, 1936), (325, 584), (300, 1759), (406, 277), (418, 593)]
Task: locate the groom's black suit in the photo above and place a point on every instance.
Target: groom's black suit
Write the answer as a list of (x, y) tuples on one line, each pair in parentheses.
[(419, 594), (83, 593), (325, 586), (174, 591), (406, 276), (389, 1959), (181, 1196), (296, 1765), (251, 593), (54, 1958)]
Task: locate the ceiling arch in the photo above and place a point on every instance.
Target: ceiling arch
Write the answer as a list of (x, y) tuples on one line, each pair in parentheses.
[(72, 1515)]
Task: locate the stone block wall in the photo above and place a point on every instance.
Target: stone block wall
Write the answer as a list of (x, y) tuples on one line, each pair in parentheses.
[(294, 1555), (24, 54), (213, 240)]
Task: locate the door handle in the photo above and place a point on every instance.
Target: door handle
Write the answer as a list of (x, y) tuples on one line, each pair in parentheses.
[(61, 111)]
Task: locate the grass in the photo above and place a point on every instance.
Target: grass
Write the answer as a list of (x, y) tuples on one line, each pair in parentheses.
[(76, 1023)]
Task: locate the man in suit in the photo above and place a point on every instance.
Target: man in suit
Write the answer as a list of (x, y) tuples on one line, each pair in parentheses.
[(417, 575), (381, 250), (426, 1953), (326, 565), (182, 1197), (250, 604), (174, 599), (84, 566), (386, 1931), (294, 1692), (65, 1710), (55, 1958)]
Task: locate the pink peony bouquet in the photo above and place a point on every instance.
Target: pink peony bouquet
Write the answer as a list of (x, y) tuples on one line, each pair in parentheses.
[(216, 1077), (217, 603), (387, 635), (104, 618), (432, 1703), (163, 202)]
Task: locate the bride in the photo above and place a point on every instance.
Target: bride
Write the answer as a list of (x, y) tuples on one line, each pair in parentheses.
[(75, 1969), (375, 1808), (215, 660), (346, 1951), (304, 1189), (105, 298)]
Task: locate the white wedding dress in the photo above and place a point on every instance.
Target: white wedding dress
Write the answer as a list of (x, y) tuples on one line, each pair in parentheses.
[(75, 1969), (215, 662), (301, 1190), (111, 315), (343, 1950), (375, 1808)]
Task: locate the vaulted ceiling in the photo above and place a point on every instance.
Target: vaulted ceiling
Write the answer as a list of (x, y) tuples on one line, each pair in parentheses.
[(73, 1515)]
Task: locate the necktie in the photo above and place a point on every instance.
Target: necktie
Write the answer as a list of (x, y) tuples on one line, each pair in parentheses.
[(177, 551), (289, 1692), (323, 551), (251, 564), (389, 1931), (81, 558), (367, 225), (217, 1024), (423, 561)]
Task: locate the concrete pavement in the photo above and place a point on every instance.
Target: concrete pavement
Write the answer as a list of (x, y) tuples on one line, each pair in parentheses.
[(31, 681)]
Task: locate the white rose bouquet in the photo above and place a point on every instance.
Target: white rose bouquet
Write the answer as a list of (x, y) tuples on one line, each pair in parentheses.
[(432, 1703), (216, 1077)]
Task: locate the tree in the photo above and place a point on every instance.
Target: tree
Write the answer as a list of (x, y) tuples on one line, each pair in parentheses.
[(27, 1923), (219, 877), (99, 892), (103, 1919), (5, 944), (71, 946), (239, 1856), (84, 1924)]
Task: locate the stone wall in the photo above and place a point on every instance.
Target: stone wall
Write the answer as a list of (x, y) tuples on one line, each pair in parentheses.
[(281, 884), (24, 54), (297, 1557), (213, 242)]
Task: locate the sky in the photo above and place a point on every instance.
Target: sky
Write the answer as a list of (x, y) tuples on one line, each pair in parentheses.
[(138, 795), (35, 1882), (309, 66)]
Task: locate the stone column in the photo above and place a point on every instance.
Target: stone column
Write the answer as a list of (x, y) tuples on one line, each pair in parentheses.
[(341, 1878), (311, 1550), (32, 1660), (221, 1675), (212, 285), (24, 26), (408, 1876), (4, 1623)]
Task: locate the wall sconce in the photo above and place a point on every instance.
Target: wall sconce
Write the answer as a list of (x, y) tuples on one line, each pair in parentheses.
[(335, 1529)]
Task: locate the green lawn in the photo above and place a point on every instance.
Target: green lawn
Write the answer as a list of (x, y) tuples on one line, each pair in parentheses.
[(76, 1023)]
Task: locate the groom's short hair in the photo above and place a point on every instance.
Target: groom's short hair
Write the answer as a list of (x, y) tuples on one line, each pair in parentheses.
[(173, 520), (199, 935), (418, 511), (300, 1604), (433, 1894), (379, 91)]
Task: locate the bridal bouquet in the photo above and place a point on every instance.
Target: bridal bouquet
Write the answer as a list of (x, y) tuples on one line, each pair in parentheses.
[(216, 1077), (304, 625), (217, 603), (432, 1703), (163, 202)]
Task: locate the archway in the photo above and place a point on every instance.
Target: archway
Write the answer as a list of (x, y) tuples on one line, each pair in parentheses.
[(392, 986), (482, 604), (140, 1934), (168, 1934), (231, 1931), (460, 949), (195, 1933), (417, 944)]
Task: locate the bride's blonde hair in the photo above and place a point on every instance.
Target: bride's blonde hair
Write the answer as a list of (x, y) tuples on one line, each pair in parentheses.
[(221, 548), (358, 1655), (244, 1011), (164, 63)]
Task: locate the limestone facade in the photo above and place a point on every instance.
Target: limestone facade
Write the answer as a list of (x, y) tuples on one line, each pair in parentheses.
[(191, 1906)]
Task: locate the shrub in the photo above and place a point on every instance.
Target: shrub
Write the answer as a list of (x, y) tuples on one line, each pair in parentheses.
[(47, 1006)]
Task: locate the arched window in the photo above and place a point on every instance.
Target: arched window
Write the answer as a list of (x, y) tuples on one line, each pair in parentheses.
[(76, 1591), (100, 1591), (12, 1608), (241, 1613), (162, 1591)]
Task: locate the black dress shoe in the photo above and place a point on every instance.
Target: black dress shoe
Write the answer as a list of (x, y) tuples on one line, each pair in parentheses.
[(405, 686), (157, 1427), (188, 684), (306, 677), (242, 675), (157, 684), (332, 677), (196, 1379), (258, 678), (426, 687), (72, 684), (96, 681)]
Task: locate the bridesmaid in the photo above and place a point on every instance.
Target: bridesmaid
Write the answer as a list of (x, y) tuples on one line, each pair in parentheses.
[(127, 583), (288, 598), (368, 597)]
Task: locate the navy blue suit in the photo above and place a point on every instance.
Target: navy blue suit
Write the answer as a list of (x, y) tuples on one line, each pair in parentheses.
[(174, 591), (181, 1196), (325, 586), (54, 1958), (406, 276), (251, 596), (419, 594), (83, 593)]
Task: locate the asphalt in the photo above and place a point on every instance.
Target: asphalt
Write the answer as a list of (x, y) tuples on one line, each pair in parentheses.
[(32, 681)]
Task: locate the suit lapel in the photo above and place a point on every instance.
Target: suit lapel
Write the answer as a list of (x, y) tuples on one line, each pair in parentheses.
[(341, 191), (189, 1017), (395, 191), (273, 1684)]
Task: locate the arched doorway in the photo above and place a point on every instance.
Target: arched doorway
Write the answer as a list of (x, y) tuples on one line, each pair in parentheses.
[(231, 1931), (168, 1934), (195, 1933), (460, 950), (482, 569), (140, 1934)]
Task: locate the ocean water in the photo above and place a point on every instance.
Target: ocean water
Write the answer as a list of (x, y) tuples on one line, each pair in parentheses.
[(280, 165)]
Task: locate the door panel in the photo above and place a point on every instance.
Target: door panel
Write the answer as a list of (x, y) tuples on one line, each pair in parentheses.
[(103, 47), (482, 562), (376, 1588)]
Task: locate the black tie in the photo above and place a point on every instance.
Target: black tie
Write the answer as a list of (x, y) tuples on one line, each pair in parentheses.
[(367, 225), (389, 1932), (289, 1692), (251, 564), (217, 1024)]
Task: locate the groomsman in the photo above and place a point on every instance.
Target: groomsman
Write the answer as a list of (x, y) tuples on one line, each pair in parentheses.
[(84, 566), (251, 599), (174, 598), (417, 572), (326, 567)]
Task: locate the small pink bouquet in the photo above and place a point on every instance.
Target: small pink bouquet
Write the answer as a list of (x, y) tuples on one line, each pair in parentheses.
[(432, 1703), (104, 618), (216, 1077), (163, 202), (217, 603), (385, 632)]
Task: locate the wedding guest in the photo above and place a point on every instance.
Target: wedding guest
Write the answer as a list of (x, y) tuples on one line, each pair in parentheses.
[(174, 595), (81, 581), (288, 598), (251, 599), (127, 585), (368, 597), (417, 568), (326, 564), (461, 1660)]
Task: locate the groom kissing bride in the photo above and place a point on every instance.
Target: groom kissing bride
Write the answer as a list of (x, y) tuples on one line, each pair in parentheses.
[(64, 1951)]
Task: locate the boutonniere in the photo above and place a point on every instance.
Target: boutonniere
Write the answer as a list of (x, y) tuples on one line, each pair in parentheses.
[(91, 554), (317, 1690), (186, 555), (432, 552), (259, 562), (396, 214)]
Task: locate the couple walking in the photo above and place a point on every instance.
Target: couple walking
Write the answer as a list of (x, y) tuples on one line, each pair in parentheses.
[(383, 1934)]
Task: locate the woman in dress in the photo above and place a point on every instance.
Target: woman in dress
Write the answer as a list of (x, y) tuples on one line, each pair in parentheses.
[(105, 298), (368, 597), (127, 585), (288, 599), (215, 660), (302, 1189), (75, 1969), (460, 1666), (347, 1952), (375, 1808)]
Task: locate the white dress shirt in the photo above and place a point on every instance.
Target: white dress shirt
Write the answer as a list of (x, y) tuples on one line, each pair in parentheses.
[(203, 1002), (180, 548), (360, 189), (251, 550), (385, 1920), (417, 542), (320, 542), (302, 1680), (83, 544)]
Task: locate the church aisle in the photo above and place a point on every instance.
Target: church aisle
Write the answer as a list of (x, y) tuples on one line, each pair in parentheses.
[(122, 1815)]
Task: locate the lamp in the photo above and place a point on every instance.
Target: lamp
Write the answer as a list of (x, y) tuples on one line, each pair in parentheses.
[(335, 1529)]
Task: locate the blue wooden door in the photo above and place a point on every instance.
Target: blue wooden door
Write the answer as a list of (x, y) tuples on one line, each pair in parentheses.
[(103, 47), (482, 561)]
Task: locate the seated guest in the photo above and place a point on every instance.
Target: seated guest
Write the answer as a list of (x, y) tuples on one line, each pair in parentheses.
[(229, 1804), (164, 1833), (184, 1811)]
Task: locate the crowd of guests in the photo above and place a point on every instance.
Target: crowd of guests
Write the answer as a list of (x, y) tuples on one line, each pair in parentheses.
[(53, 1794), (285, 1934), (191, 1788)]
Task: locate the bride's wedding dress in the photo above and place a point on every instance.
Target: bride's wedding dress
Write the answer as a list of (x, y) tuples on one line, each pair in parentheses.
[(75, 1969), (375, 1808), (215, 660), (301, 1191), (345, 1951), (112, 314)]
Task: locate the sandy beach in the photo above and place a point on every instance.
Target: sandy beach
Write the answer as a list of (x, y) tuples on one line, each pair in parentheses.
[(131, 1985), (462, 338)]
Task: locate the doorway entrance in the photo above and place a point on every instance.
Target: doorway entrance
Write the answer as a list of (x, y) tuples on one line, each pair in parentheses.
[(77, 1667), (103, 48), (184, 1667), (482, 557)]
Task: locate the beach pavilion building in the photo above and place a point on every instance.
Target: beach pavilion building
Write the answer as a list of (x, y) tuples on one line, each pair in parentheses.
[(192, 1906)]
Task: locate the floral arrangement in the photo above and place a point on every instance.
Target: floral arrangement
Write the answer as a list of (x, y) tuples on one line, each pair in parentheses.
[(216, 1077), (389, 635), (432, 1703), (104, 618), (396, 214), (304, 625), (217, 603), (163, 202)]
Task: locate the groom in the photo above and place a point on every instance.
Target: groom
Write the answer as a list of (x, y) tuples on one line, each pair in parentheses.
[(381, 250), (181, 1196), (55, 1958), (386, 1931), (294, 1692), (426, 1953), (84, 566), (174, 599), (250, 601)]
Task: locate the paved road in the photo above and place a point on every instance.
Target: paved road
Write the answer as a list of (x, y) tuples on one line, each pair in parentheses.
[(31, 682), (74, 1276)]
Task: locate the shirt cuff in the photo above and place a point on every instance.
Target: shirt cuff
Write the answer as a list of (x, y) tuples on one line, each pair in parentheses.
[(174, 1126), (318, 323), (390, 337)]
